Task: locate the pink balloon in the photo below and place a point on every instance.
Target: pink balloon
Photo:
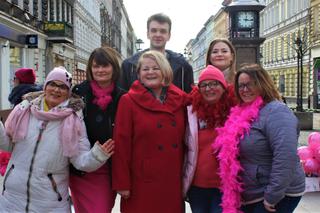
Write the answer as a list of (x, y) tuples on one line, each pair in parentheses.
[(314, 140), (305, 153), (311, 166)]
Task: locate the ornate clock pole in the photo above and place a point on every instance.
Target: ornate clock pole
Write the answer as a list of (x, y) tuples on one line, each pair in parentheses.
[(244, 29)]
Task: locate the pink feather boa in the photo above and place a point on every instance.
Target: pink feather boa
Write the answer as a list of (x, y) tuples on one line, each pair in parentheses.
[(226, 145)]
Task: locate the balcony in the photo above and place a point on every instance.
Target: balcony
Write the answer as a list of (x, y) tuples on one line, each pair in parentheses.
[(59, 32)]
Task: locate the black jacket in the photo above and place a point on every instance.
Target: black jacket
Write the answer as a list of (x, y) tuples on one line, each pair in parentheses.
[(15, 97), (182, 71), (99, 123)]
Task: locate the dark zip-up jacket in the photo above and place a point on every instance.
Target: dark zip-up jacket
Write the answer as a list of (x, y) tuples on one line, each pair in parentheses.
[(15, 97), (182, 71)]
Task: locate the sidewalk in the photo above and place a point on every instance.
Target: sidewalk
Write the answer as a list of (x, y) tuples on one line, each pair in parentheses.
[(308, 204), (310, 201)]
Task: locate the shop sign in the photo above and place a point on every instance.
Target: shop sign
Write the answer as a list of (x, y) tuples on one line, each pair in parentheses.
[(32, 41)]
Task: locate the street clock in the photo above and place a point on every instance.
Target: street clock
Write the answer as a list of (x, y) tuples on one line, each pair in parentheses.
[(245, 19), (244, 29)]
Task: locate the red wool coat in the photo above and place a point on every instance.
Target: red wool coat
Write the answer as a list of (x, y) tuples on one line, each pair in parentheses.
[(149, 149)]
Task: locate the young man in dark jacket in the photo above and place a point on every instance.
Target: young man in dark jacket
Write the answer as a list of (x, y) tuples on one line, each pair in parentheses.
[(159, 32)]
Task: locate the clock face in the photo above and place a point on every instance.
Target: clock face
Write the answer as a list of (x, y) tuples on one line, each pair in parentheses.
[(245, 19)]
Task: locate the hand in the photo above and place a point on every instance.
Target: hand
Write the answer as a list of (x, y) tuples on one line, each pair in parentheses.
[(125, 194), (268, 206), (107, 147)]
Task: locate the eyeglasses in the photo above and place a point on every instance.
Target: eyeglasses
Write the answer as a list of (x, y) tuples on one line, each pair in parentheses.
[(250, 85), (62, 87), (210, 85)]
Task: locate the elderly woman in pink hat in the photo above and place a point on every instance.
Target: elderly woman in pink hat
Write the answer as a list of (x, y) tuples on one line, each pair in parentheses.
[(47, 133), (211, 101)]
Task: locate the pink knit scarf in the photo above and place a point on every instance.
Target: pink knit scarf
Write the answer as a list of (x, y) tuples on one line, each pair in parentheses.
[(102, 96), (226, 145), (17, 124)]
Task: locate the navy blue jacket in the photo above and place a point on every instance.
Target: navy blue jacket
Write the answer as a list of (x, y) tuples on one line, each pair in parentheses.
[(182, 71), (18, 91)]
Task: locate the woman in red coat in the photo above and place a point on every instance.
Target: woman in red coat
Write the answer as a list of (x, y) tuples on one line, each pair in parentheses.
[(149, 134)]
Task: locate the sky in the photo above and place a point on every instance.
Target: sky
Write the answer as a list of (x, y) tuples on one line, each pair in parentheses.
[(188, 18)]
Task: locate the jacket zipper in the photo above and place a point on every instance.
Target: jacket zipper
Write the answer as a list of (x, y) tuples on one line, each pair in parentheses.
[(42, 128), (54, 186), (5, 178)]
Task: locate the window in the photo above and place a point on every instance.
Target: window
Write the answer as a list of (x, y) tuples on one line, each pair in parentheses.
[(288, 46), (293, 51), (276, 49), (272, 49), (282, 48), (316, 21), (283, 11), (282, 84)]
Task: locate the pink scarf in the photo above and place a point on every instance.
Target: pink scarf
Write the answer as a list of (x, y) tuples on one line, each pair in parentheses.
[(17, 124), (102, 96), (226, 145)]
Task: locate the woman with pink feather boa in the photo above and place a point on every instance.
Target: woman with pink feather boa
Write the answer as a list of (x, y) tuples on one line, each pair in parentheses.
[(257, 149)]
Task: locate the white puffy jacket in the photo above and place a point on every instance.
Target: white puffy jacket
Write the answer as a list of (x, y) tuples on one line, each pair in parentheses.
[(40, 171)]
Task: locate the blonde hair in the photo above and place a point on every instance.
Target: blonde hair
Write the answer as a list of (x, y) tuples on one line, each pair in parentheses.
[(162, 62)]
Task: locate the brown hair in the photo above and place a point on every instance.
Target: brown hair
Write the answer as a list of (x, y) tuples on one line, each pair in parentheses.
[(161, 18), (104, 56), (229, 78), (162, 62), (262, 79)]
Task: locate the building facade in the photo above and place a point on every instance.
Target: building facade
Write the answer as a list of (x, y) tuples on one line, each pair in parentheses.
[(87, 35), (221, 24), (59, 27), (196, 49), (216, 26), (282, 23), (23, 42), (42, 34), (315, 51)]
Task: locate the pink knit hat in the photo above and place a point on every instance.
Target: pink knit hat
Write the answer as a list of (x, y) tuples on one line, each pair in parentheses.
[(212, 73), (25, 75), (59, 74)]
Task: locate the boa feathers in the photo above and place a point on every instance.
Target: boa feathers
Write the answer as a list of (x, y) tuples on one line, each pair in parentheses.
[(215, 114), (226, 146)]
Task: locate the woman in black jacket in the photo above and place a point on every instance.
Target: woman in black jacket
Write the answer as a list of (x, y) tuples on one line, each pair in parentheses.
[(91, 192)]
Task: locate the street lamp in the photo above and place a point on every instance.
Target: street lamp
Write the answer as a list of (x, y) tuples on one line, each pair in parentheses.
[(138, 43), (187, 54), (301, 49)]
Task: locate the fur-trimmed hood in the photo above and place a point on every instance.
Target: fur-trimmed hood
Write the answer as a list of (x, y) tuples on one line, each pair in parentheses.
[(75, 102)]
